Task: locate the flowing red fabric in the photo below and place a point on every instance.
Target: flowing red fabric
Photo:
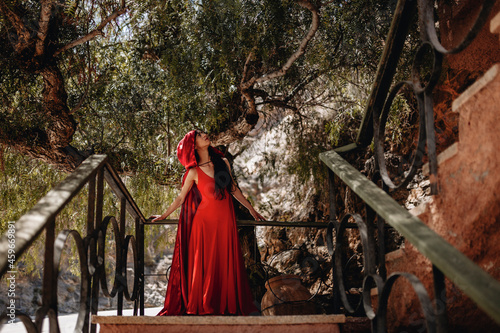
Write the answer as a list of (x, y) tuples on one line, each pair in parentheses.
[(207, 275)]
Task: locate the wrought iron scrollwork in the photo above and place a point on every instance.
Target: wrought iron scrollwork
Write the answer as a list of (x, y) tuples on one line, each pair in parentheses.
[(430, 44), (84, 271), (428, 309), (367, 243), (130, 296), (24, 318), (422, 88), (372, 278)]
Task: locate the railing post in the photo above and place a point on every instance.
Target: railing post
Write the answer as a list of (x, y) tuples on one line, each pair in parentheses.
[(431, 141), (49, 289), (93, 247), (333, 219), (331, 188), (381, 247), (123, 264), (440, 300), (89, 250), (139, 228)]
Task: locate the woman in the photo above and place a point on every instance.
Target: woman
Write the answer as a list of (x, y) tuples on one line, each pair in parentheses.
[(208, 274)]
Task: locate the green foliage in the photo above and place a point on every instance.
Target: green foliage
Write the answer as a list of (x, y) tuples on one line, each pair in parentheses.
[(349, 106), (22, 183)]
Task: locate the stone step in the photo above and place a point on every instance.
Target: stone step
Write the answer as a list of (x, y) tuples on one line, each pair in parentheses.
[(444, 156), (219, 324), (488, 81), (495, 25), (477, 123)]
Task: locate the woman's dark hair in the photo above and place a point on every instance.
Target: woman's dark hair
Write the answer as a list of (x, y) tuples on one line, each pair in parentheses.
[(222, 176)]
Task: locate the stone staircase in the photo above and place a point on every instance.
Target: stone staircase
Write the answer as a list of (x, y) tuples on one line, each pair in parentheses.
[(466, 212)]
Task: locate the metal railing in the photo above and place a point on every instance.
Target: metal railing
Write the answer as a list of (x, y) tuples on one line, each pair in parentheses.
[(90, 245), (380, 207)]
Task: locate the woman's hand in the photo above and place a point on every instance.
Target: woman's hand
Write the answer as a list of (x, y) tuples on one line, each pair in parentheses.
[(155, 218), (257, 216)]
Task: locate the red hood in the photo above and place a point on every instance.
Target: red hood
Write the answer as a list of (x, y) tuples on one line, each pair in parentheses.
[(185, 150)]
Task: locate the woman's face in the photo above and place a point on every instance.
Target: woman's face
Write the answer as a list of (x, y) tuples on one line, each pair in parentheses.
[(202, 140)]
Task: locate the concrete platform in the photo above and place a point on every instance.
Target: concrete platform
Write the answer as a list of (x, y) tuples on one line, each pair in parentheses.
[(220, 324)]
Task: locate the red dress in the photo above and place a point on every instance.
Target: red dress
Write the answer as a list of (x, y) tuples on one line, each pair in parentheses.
[(215, 280)]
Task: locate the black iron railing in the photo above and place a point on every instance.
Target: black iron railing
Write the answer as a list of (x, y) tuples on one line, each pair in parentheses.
[(380, 207), (90, 245)]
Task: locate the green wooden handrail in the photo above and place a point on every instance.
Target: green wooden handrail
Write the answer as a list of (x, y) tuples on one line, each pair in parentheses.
[(469, 277)]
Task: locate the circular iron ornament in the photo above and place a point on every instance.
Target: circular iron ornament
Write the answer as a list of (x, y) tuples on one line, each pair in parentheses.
[(418, 86), (427, 24), (367, 301), (368, 256), (379, 133), (423, 297), (23, 317), (59, 245), (329, 238), (130, 239), (101, 244)]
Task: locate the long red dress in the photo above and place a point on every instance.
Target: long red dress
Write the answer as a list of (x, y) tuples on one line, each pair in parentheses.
[(208, 273)]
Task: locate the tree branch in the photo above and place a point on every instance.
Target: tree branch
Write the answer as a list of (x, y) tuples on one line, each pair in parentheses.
[(43, 25), (23, 33), (303, 45), (248, 119), (279, 103), (313, 76), (244, 84), (34, 142), (96, 32)]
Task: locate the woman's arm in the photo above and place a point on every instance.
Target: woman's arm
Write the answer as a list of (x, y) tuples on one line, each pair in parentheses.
[(188, 183), (236, 192)]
